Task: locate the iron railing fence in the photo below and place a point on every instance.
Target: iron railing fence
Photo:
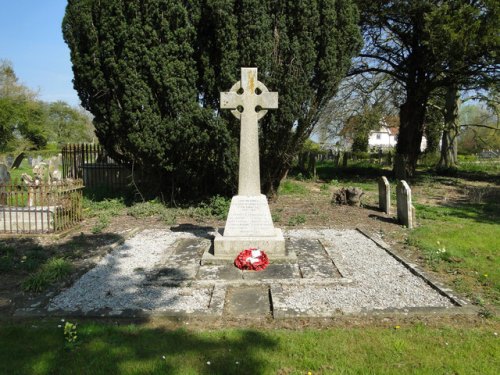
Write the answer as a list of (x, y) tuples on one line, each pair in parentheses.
[(91, 163), (42, 208)]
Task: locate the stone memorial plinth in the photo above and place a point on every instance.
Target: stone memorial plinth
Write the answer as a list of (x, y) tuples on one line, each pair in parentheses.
[(249, 223)]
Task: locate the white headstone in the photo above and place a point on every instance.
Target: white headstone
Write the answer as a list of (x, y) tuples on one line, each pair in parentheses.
[(249, 222), (405, 208), (384, 195)]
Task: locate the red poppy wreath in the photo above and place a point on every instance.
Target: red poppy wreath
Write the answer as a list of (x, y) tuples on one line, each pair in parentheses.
[(251, 259)]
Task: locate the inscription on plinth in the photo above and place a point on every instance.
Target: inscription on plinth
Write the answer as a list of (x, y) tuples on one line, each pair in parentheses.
[(249, 217)]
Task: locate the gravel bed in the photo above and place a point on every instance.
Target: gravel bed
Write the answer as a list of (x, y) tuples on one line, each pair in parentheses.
[(117, 282), (379, 281)]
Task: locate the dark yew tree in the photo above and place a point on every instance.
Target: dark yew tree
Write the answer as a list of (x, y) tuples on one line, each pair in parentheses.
[(426, 45), (134, 70), (151, 72)]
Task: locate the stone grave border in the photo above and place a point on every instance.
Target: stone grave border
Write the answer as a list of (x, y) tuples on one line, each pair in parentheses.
[(220, 288)]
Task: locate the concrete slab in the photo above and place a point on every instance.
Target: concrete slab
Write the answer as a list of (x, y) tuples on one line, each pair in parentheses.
[(226, 272), (274, 271), (314, 261), (248, 300)]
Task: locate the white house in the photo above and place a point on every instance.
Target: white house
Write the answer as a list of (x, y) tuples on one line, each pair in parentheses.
[(387, 137)]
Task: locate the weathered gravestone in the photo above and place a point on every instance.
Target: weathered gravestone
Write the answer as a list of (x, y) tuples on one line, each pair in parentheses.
[(405, 207), (4, 181), (384, 195), (249, 223), (4, 174), (54, 172)]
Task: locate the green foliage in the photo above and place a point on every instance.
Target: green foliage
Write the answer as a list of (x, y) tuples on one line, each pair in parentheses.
[(68, 125), (102, 223), (358, 127), (70, 334), (424, 46), (55, 269), (146, 209), (151, 75), (434, 123), (482, 132), (297, 219), (103, 210), (289, 187), (28, 123), (216, 206), (153, 208), (111, 207)]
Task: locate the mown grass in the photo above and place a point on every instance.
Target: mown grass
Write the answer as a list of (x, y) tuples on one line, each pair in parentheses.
[(469, 234), (131, 349)]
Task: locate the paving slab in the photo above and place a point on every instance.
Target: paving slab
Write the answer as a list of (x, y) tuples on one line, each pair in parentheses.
[(243, 301), (314, 261), (273, 272), (226, 272)]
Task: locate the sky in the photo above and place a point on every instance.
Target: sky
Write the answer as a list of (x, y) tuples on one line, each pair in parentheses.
[(31, 39)]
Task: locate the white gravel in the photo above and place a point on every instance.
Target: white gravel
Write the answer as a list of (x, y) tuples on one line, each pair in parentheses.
[(116, 283), (379, 281)]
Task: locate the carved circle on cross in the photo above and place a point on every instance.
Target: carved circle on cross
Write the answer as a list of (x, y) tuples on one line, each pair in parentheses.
[(259, 89)]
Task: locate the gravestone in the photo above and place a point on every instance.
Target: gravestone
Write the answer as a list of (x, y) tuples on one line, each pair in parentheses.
[(54, 172), (249, 223), (4, 180), (4, 174), (405, 207), (37, 161), (384, 195), (40, 172)]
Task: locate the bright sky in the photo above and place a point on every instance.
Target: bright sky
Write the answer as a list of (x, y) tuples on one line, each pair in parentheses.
[(31, 38)]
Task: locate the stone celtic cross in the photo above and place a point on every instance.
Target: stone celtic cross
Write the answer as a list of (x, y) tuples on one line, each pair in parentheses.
[(249, 100)]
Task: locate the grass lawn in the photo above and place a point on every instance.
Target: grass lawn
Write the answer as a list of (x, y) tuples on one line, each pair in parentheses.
[(463, 240), (109, 349)]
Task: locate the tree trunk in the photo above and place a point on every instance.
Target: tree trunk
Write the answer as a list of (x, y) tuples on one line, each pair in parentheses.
[(411, 129), (451, 129)]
